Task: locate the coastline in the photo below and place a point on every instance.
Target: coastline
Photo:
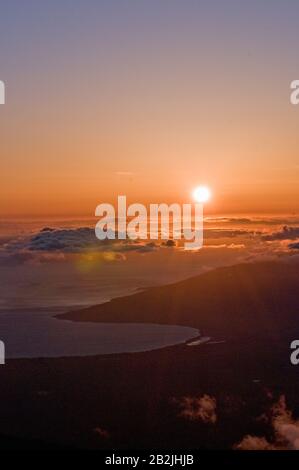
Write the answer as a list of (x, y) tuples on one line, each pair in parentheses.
[(106, 398)]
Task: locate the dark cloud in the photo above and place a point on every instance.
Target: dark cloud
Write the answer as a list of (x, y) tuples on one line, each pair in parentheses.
[(286, 233), (66, 240), (47, 229), (78, 240), (253, 220), (294, 246), (229, 233), (230, 220), (169, 243)]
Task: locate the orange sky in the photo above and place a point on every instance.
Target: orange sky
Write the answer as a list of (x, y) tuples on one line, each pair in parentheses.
[(149, 112)]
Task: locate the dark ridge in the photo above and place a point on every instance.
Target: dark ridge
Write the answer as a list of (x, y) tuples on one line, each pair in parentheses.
[(228, 301)]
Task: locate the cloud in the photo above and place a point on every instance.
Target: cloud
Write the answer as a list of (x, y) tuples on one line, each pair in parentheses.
[(83, 239), (11, 258), (252, 220), (57, 244), (286, 233), (199, 409), (66, 240), (78, 240), (229, 233), (285, 430), (254, 443), (294, 246), (230, 246), (169, 243), (53, 244)]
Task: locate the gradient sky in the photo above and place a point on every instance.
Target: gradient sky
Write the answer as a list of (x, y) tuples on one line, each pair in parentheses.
[(149, 99)]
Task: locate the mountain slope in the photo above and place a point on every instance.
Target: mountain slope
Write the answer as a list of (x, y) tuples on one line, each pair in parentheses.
[(245, 299)]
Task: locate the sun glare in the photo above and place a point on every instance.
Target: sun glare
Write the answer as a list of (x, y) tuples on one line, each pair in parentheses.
[(201, 194)]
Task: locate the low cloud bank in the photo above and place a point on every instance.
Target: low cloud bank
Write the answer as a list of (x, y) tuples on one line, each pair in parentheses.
[(54, 244), (285, 431), (77, 240)]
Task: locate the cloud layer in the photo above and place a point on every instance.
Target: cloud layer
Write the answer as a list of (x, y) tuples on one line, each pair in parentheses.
[(51, 244), (284, 427), (286, 233), (75, 240), (199, 408)]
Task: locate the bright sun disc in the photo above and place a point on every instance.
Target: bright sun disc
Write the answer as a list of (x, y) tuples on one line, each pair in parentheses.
[(202, 194)]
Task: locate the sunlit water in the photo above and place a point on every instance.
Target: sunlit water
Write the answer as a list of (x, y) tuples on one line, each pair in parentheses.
[(39, 334)]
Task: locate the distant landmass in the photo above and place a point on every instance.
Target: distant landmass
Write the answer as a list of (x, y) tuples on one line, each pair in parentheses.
[(245, 300), (237, 390)]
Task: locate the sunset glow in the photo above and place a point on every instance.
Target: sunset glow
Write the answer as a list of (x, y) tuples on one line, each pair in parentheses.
[(149, 230)]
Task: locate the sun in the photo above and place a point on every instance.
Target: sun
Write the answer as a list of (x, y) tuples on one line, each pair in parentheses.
[(202, 194)]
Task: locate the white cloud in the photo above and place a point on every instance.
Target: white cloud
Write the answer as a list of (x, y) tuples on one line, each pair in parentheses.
[(199, 408), (284, 427)]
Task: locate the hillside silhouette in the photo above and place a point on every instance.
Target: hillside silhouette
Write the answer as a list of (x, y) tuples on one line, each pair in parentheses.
[(253, 299)]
